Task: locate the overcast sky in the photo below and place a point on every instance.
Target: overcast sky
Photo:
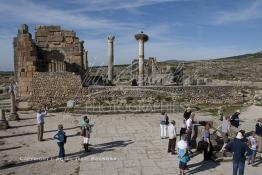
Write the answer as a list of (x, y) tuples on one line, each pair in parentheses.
[(178, 29)]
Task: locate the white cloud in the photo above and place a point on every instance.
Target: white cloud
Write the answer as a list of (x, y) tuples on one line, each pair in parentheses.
[(98, 5), (250, 12)]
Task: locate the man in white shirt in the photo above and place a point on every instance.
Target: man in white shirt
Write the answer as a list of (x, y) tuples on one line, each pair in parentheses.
[(172, 137), (189, 127), (40, 115)]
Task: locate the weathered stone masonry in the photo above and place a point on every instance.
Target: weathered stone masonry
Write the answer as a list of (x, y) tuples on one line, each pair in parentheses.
[(57, 88), (52, 50)]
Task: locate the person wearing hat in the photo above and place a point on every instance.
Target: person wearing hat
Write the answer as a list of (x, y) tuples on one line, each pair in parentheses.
[(234, 120), (187, 113), (239, 149), (172, 137)]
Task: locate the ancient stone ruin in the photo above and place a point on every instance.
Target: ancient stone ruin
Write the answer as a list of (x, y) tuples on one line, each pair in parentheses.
[(52, 50)]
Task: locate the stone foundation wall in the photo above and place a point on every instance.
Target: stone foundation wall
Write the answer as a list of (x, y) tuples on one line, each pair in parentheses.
[(55, 88), (59, 87)]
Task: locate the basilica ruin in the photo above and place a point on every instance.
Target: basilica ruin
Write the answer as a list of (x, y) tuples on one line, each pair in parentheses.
[(52, 68)]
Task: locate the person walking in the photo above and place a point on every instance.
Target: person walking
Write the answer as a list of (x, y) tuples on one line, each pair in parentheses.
[(239, 150), (253, 146), (60, 137), (163, 125), (225, 130), (40, 115), (187, 113), (172, 137), (183, 154), (207, 143), (86, 130), (234, 120)]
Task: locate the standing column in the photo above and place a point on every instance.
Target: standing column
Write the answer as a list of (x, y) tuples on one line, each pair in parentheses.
[(52, 66), (141, 38), (13, 114), (110, 43)]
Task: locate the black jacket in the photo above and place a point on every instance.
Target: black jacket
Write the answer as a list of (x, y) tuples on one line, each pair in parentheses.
[(259, 129), (239, 150)]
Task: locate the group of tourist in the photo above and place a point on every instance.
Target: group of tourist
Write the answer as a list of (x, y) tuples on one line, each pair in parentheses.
[(60, 136), (241, 146)]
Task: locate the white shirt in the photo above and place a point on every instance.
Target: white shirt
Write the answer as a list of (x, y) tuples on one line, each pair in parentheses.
[(171, 131), (253, 142), (189, 123)]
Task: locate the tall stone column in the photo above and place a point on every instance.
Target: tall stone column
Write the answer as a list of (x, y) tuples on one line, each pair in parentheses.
[(13, 113), (52, 66), (3, 122), (110, 43), (141, 38)]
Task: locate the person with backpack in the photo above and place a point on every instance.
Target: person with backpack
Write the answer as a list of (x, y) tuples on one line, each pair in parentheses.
[(183, 155), (86, 129), (61, 138)]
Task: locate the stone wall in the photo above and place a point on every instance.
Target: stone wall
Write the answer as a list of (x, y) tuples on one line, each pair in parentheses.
[(52, 50), (57, 88)]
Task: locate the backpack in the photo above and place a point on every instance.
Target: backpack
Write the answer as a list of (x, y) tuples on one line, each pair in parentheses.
[(65, 137)]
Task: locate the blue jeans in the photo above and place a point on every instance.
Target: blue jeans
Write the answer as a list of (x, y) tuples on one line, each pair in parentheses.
[(61, 150), (238, 167), (252, 157)]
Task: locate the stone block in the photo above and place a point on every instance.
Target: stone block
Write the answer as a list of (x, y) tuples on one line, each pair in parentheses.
[(42, 39), (57, 38), (42, 33), (69, 33), (54, 28)]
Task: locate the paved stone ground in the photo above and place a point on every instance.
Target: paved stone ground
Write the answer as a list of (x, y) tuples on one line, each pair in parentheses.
[(131, 140), (134, 141)]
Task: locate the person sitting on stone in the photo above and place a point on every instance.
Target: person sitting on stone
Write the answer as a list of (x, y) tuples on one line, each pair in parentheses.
[(187, 113), (234, 120), (40, 115)]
